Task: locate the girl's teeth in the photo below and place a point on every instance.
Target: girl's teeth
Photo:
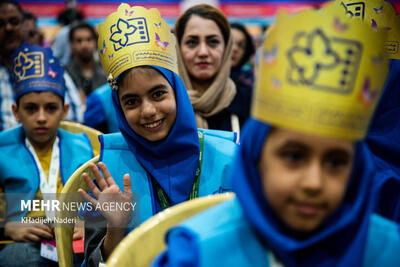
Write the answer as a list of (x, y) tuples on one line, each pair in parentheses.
[(152, 125)]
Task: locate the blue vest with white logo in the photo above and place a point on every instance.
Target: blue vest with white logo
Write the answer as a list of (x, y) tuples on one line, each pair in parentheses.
[(19, 173)]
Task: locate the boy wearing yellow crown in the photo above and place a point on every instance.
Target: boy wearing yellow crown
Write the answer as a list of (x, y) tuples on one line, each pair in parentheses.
[(303, 176), (37, 158), (159, 158)]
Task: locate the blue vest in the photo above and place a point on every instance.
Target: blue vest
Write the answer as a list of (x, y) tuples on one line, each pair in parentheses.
[(223, 237), (102, 96), (19, 175), (219, 149)]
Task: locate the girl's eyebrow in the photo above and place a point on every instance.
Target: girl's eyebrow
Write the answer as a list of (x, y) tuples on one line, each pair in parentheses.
[(293, 144), (154, 88)]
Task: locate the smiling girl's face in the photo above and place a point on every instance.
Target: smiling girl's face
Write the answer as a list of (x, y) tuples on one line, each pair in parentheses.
[(148, 102)]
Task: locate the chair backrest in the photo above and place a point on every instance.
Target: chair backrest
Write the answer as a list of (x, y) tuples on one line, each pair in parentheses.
[(3, 211), (75, 127), (144, 243), (65, 232)]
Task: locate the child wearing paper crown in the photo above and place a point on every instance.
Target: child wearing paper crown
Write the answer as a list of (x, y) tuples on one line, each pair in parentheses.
[(303, 176), (159, 156), (36, 158)]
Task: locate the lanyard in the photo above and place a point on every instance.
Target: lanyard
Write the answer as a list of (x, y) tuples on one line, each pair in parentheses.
[(162, 196), (48, 185)]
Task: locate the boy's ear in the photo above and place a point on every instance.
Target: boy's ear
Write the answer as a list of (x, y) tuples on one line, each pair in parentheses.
[(14, 108), (65, 112)]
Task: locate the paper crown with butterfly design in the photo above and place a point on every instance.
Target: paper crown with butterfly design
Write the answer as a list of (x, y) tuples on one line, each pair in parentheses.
[(378, 14), (320, 72), (35, 69), (135, 36)]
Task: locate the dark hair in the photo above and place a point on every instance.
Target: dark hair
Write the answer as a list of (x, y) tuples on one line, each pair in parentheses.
[(206, 12), (69, 15), (14, 3), (249, 50), (122, 76), (29, 16), (81, 25)]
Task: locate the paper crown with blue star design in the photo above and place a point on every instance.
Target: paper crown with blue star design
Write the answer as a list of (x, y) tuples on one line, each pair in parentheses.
[(321, 73), (35, 69), (135, 36), (379, 14)]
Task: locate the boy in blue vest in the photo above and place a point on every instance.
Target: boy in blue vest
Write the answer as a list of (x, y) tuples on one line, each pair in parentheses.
[(37, 158)]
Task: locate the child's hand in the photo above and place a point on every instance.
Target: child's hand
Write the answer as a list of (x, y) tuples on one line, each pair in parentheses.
[(109, 192), (23, 232), (79, 233)]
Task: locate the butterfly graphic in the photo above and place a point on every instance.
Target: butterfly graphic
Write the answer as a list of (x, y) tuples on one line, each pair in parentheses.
[(52, 73), (123, 30), (128, 13), (102, 51), (158, 25), (368, 95), (163, 45), (270, 56), (374, 25), (378, 10), (338, 26), (110, 57)]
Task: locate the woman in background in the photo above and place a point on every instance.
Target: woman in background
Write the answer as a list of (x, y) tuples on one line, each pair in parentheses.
[(205, 45)]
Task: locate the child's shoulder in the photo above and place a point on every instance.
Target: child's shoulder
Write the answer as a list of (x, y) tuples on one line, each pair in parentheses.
[(220, 136), (11, 136), (383, 242)]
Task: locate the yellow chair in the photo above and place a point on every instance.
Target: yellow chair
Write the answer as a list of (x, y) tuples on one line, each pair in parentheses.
[(63, 232), (74, 127), (144, 243), (3, 211)]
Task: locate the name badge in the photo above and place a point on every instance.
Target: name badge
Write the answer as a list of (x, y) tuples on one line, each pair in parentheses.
[(48, 250)]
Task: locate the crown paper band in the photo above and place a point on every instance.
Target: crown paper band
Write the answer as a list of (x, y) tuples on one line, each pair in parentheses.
[(321, 73), (36, 69), (135, 36), (379, 14)]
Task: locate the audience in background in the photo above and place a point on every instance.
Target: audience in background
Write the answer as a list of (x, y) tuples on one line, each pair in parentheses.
[(242, 71), (60, 44), (33, 35), (85, 70)]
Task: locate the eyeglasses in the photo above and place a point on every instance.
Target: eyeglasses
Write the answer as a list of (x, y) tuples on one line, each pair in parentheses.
[(13, 22)]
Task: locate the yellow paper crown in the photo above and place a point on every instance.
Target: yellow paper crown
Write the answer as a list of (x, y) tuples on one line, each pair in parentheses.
[(378, 14), (321, 73), (135, 36)]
